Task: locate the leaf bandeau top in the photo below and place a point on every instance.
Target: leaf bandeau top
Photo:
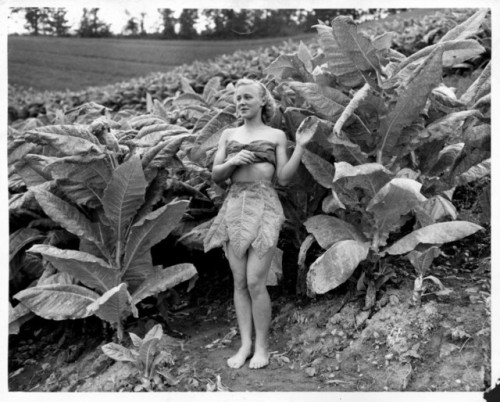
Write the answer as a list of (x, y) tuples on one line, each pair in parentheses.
[(263, 150)]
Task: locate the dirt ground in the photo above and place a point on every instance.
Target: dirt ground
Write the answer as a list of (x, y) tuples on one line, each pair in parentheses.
[(324, 344)]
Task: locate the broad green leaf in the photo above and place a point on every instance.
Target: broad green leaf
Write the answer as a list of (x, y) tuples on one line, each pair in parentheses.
[(346, 151), (29, 175), (435, 209), (88, 269), (358, 97), (162, 279), (209, 136), (446, 158), (475, 173), (438, 233), (189, 99), (358, 48), (118, 352), (194, 238), (186, 85), (411, 101), (454, 52), (135, 340), (151, 229), (58, 302), (289, 66), (276, 270), (112, 306), (69, 217), (331, 203), (320, 101), (480, 87), (328, 230), (18, 316), (66, 139), (305, 56), (467, 28), (211, 88), (155, 332), (138, 270), (338, 63), (147, 354), (368, 176), (124, 194), (21, 238), (322, 170), (336, 265), (422, 261), (159, 129), (398, 197), (17, 149), (94, 172), (138, 122), (477, 149), (162, 155)]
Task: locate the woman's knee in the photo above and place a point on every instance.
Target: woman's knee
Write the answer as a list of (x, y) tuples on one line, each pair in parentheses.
[(256, 285)]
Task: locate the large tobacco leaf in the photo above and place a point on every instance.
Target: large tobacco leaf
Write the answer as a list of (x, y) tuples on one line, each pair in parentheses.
[(210, 134), (338, 63), (336, 265), (289, 66), (480, 87), (358, 48), (124, 194), (153, 228), (118, 352), (68, 216), (114, 305), (162, 279), (398, 197), (139, 269), (88, 269), (411, 101), (326, 107), (368, 176), (347, 151), (437, 233), (21, 238), (467, 28), (58, 302), (322, 170), (328, 230), (66, 139), (475, 172), (30, 176)]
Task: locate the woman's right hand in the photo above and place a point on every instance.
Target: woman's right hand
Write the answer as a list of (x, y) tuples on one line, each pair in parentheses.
[(244, 157)]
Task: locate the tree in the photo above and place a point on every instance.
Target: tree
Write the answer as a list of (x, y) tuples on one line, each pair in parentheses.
[(56, 23), (92, 26), (169, 21), (35, 17), (187, 19)]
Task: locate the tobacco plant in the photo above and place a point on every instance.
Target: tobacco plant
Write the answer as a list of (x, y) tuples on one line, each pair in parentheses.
[(398, 141), (94, 187), (145, 354)]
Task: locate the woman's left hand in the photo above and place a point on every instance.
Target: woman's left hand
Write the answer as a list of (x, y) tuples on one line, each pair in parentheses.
[(306, 131)]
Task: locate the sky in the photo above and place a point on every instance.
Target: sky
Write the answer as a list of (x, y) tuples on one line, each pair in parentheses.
[(109, 13)]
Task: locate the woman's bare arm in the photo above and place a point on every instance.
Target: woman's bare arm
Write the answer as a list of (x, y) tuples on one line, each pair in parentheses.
[(286, 168)]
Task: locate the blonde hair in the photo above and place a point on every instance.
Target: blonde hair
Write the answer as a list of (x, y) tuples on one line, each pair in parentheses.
[(269, 109)]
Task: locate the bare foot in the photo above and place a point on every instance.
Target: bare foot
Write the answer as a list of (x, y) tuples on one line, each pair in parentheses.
[(239, 358), (260, 359)]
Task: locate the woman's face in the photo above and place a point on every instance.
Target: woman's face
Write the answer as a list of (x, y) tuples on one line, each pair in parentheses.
[(249, 102)]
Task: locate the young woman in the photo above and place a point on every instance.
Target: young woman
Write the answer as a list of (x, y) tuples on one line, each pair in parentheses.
[(253, 156)]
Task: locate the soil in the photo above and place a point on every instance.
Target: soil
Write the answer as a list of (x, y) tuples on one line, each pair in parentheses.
[(324, 344)]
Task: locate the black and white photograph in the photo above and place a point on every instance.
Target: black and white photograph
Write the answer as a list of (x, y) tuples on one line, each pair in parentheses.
[(240, 201)]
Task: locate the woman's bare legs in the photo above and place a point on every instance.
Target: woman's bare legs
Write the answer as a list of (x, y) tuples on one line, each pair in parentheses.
[(257, 270), (243, 307)]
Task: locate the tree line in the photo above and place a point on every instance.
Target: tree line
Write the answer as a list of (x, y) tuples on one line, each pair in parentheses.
[(219, 23)]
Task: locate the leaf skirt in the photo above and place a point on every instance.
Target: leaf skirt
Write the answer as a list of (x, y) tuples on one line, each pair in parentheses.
[(251, 215)]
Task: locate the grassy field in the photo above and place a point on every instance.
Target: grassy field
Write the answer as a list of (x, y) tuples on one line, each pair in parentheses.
[(49, 63)]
